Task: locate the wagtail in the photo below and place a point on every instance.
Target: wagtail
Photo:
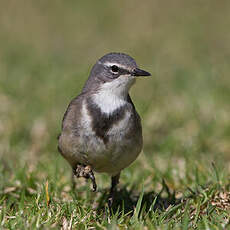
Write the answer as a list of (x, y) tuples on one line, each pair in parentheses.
[(101, 129)]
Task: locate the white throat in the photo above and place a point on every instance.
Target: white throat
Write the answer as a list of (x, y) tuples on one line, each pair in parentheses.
[(112, 95)]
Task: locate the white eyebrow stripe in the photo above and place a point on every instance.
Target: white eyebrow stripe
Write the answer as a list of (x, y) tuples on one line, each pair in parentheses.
[(109, 64)]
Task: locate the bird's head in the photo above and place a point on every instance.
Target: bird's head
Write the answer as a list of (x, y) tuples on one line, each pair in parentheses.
[(115, 72)]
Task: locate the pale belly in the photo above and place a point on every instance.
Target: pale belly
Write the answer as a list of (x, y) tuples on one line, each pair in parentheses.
[(111, 157)]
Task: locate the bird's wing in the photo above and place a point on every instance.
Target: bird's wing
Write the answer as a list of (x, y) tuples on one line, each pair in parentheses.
[(71, 117), (68, 141)]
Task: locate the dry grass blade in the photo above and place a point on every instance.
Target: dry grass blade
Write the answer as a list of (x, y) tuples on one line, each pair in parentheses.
[(47, 193)]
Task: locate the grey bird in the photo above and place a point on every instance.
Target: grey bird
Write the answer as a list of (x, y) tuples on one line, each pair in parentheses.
[(101, 129)]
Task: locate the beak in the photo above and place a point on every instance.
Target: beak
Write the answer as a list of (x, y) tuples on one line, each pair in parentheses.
[(139, 72)]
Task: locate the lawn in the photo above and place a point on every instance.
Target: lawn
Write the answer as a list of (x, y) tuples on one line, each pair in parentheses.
[(181, 178)]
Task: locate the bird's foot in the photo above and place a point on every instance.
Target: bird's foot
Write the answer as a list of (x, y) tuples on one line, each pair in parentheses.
[(110, 200), (86, 172)]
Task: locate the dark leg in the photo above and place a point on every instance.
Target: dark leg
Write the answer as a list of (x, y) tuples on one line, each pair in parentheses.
[(114, 182), (86, 172), (73, 179)]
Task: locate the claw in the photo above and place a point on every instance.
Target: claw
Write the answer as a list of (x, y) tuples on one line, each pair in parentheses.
[(86, 172), (92, 178), (110, 202)]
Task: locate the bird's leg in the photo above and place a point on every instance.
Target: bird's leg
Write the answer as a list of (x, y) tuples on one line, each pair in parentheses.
[(114, 182), (86, 172), (72, 179)]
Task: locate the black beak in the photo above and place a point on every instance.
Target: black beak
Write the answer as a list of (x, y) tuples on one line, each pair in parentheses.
[(139, 72)]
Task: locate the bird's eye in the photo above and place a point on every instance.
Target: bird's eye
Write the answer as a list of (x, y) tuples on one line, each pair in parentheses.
[(114, 69)]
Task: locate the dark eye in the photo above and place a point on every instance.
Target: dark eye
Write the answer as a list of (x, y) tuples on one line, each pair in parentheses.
[(114, 69)]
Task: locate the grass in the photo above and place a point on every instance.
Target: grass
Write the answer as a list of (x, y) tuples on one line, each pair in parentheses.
[(181, 179)]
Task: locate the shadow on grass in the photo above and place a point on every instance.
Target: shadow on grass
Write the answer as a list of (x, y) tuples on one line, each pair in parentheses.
[(127, 200)]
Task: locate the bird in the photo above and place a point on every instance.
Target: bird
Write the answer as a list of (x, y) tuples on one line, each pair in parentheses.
[(101, 129)]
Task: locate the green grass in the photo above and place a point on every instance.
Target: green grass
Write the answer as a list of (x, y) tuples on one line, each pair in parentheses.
[(181, 179)]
